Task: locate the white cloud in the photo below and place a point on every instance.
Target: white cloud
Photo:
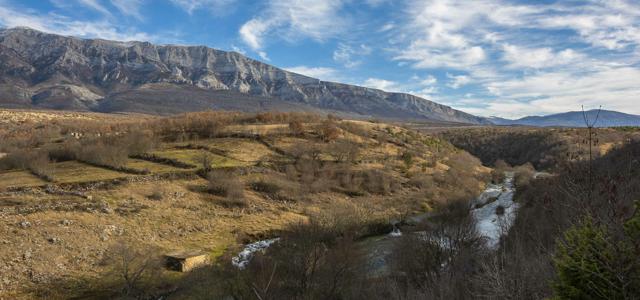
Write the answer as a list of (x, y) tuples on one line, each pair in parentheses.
[(554, 92), (215, 6), (386, 27), (322, 73), (526, 58), (458, 80), (263, 55), (57, 24), (95, 5), (253, 31), (350, 56), (292, 20), (381, 84), (238, 49), (129, 7), (376, 3), (609, 24), (416, 85), (429, 80), (519, 57)]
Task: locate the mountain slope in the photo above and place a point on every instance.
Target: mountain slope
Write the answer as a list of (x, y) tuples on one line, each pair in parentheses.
[(606, 118), (51, 71)]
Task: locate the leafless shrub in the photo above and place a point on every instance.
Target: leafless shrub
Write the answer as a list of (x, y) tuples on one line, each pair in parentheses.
[(101, 153), (378, 182), (133, 268), (269, 187), (329, 130), (296, 127), (354, 128), (314, 260), (344, 151), (36, 161), (206, 162), (524, 174), (228, 185), (422, 181), (157, 194), (307, 151)]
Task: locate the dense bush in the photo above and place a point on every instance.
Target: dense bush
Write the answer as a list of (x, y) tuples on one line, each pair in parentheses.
[(592, 263), (516, 147)]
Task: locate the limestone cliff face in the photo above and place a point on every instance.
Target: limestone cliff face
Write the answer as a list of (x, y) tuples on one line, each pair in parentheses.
[(51, 71)]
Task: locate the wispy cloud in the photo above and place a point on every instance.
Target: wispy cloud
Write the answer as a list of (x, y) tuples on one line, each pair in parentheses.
[(322, 73), (129, 7), (350, 56), (54, 23), (218, 7), (522, 58), (95, 5), (292, 20)]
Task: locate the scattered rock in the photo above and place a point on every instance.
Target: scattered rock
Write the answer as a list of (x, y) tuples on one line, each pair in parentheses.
[(54, 240), (110, 230), (106, 210)]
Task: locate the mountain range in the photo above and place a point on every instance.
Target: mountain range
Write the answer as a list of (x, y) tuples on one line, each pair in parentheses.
[(602, 118), (42, 70)]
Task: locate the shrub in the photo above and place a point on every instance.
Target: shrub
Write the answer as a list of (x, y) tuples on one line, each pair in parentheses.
[(296, 127), (227, 185), (133, 268), (590, 264), (524, 174), (344, 151), (407, 158), (157, 194), (104, 154), (268, 187), (421, 181), (329, 131), (378, 182)]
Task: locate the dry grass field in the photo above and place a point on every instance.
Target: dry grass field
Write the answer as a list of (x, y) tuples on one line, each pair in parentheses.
[(61, 216)]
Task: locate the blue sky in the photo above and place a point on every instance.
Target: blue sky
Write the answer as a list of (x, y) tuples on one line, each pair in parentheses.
[(486, 57)]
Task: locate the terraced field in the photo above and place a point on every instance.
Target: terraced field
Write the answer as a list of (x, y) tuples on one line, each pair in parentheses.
[(151, 167), (237, 153), (19, 178), (195, 157), (77, 172)]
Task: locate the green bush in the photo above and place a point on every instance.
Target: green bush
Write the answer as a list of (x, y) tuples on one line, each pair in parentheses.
[(592, 264)]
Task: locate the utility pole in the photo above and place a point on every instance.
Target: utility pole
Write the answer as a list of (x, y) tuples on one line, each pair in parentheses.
[(590, 127)]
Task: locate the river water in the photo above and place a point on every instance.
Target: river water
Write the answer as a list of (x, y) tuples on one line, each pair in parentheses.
[(494, 210)]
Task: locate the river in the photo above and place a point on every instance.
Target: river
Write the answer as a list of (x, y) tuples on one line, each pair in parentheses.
[(494, 212)]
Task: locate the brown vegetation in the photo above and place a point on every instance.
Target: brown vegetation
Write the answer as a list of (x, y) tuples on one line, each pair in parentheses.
[(183, 190)]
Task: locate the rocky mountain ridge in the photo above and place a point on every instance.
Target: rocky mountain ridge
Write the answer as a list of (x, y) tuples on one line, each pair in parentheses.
[(41, 70)]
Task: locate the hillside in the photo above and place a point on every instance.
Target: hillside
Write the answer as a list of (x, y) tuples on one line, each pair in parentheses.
[(75, 186), (40, 70), (606, 118)]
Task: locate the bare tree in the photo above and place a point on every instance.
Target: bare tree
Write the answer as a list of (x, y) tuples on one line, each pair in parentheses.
[(131, 266)]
